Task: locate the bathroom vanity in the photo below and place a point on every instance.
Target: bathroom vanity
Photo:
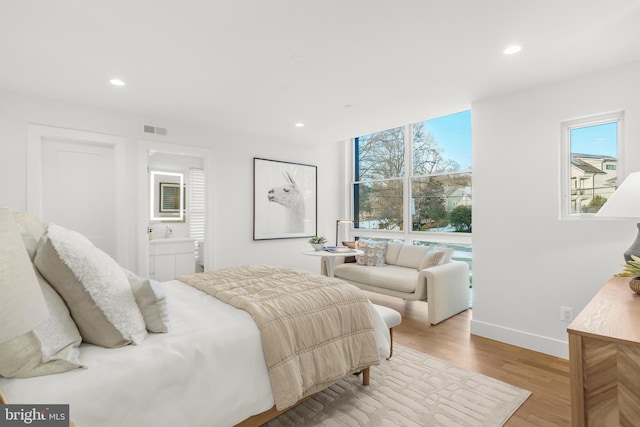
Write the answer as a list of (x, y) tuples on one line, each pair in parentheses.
[(171, 257)]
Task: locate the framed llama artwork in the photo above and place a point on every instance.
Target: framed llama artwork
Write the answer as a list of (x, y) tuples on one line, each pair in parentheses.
[(285, 199)]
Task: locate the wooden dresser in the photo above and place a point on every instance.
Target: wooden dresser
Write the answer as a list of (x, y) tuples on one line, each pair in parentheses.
[(604, 358)]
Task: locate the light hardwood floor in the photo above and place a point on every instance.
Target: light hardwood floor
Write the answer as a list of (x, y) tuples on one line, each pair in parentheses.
[(547, 377)]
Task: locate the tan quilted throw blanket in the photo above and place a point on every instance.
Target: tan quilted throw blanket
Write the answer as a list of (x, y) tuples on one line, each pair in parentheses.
[(314, 329)]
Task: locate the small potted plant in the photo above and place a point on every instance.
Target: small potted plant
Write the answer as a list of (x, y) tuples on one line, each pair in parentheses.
[(318, 242), (632, 269)]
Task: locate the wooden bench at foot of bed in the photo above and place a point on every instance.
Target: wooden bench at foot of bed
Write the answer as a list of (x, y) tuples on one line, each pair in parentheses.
[(266, 416)]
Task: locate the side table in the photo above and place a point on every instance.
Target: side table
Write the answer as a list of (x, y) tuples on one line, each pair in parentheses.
[(331, 257)]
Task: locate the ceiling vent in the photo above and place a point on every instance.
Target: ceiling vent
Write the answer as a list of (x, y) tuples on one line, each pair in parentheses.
[(155, 130)]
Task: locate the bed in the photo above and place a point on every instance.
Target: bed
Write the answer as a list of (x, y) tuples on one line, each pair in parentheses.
[(209, 369)]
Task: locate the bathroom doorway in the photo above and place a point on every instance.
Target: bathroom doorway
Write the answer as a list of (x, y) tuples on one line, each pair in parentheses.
[(162, 167)]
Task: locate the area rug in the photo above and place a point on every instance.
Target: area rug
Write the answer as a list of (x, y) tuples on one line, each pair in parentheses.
[(411, 389)]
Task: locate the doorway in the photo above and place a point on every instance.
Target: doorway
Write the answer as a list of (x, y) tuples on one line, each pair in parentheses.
[(75, 179), (181, 159)]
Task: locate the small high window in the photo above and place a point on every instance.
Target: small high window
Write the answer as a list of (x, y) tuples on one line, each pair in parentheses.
[(591, 166)]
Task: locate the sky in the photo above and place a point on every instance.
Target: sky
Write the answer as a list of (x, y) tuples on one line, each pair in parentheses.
[(453, 133), (598, 139)]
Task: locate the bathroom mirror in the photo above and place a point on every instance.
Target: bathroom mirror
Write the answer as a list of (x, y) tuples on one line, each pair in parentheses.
[(167, 196)]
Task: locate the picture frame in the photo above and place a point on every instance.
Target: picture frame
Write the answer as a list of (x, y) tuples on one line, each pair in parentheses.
[(170, 197), (285, 199)]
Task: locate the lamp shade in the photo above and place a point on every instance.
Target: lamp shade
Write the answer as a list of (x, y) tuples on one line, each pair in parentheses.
[(22, 305), (625, 202)]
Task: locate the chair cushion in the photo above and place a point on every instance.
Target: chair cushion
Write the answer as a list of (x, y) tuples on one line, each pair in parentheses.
[(392, 277), (411, 255)]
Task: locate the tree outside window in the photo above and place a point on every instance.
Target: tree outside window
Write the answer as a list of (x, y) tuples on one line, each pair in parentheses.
[(438, 178)]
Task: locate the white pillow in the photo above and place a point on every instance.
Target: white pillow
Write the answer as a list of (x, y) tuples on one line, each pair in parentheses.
[(50, 348), (31, 223), (152, 301), (94, 287), (393, 250), (31, 229), (411, 255), (438, 256), (30, 243)]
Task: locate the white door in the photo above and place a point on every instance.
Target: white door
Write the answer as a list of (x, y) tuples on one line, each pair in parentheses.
[(79, 189)]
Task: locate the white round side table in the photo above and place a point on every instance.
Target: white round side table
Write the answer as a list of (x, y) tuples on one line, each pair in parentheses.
[(331, 257)]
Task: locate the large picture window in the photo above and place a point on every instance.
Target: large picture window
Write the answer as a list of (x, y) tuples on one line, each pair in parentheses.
[(591, 149), (379, 171), (415, 178)]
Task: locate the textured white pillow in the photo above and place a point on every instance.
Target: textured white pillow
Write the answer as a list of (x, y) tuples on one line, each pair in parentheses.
[(152, 301), (94, 287), (50, 348)]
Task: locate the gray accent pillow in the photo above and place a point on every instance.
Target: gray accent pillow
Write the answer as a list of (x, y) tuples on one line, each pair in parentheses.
[(94, 287), (373, 253)]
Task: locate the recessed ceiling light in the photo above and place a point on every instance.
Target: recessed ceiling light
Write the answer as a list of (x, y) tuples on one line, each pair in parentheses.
[(512, 49), (299, 125), (116, 82)]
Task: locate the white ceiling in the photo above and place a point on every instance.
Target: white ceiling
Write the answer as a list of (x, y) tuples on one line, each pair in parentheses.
[(260, 66)]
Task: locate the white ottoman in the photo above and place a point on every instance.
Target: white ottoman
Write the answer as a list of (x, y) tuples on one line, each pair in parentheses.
[(392, 318)]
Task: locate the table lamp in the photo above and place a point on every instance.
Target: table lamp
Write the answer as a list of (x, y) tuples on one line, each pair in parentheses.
[(338, 222), (625, 203), (22, 305)]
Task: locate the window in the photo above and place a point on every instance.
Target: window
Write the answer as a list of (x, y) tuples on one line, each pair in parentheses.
[(197, 206), (415, 178), (378, 191), (591, 149)]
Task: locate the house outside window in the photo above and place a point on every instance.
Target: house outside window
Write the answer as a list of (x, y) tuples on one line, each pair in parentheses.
[(591, 152), (413, 183)]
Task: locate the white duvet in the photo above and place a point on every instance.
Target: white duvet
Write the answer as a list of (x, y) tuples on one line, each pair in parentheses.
[(209, 370)]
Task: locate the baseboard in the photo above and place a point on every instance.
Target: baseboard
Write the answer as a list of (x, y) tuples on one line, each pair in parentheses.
[(526, 340)]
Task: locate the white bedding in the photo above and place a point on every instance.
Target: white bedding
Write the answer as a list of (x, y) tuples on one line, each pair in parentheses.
[(209, 370)]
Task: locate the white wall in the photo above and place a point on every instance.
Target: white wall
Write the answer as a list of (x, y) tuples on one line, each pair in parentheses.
[(233, 171), (234, 215), (528, 262)]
